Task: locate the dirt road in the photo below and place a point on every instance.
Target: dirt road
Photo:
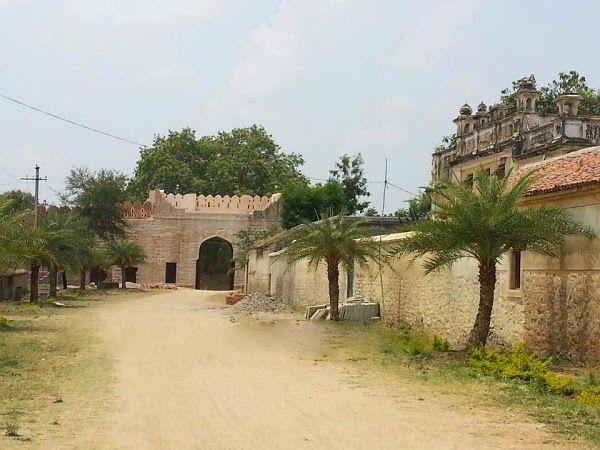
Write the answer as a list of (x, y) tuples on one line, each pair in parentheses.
[(188, 377)]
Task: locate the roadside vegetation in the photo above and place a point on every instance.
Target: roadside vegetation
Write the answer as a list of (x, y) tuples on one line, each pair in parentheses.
[(564, 398), (53, 371)]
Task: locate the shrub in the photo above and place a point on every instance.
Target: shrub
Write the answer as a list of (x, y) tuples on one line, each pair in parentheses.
[(515, 364), (557, 384), (520, 365), (3, 322), (440, 344), (589, 396), (11, 425)]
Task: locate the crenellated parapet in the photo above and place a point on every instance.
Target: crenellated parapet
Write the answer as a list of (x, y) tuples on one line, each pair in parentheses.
[(137, 210), (160, 203), (244, 204)]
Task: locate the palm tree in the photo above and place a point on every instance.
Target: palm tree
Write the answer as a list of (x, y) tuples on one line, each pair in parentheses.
[(14, 239), (22, 246), (125, 254), (65, 235), (335, 241), (484, 222), (87, 257)]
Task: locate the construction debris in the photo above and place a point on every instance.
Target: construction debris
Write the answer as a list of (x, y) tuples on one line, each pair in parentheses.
[(256, 303), (357, 310)]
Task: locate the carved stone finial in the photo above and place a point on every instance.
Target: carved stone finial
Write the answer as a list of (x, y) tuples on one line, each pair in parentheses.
[(465, 110)]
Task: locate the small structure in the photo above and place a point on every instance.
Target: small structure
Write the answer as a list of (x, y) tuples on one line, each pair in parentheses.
[(14, 285)]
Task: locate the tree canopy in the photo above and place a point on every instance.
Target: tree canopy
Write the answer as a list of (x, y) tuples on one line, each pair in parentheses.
[(242, 161), (349, 171), (302, 203), (98, 197), (17, 201)]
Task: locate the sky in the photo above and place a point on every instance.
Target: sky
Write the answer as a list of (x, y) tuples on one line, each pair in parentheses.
[(325, 77)]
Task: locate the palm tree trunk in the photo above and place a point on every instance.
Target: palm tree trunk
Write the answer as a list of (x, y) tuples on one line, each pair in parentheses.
[(64, 280), (35, 278), (333, 275), (487, 285), (52, 292), (123, 285), (82, 277)]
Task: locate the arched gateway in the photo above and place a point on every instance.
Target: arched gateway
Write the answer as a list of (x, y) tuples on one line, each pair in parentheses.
[(190, 240), (214, 266)]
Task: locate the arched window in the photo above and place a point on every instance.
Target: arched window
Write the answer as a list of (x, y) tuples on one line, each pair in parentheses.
[(528, 104)]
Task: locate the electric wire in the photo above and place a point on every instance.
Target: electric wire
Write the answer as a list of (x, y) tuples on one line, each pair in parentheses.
[(72, 122)]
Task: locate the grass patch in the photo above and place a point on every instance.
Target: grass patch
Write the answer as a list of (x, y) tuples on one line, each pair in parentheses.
[(48, 355), (568, 404)]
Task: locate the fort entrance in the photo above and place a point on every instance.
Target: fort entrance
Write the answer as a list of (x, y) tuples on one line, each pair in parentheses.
[(214, 266), (190, 239)]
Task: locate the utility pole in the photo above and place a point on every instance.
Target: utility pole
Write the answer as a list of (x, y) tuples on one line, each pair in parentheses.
[(385, 185), (37, 180)]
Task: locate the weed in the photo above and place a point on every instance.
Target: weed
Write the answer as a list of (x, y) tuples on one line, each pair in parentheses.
[(3, 322), (592, 379), (440, 344), (11, 424)]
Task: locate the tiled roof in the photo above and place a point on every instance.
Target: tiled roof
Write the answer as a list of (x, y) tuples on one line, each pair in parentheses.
[(578, 168)]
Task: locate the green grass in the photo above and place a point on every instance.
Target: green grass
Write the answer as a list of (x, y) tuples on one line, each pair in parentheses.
[(567, 404)]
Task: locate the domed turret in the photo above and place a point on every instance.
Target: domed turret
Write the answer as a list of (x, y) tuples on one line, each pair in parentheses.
[(465, 110), (482, 107)]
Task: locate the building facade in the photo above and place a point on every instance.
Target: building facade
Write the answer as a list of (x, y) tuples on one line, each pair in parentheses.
[(495, 140), (190, 239)]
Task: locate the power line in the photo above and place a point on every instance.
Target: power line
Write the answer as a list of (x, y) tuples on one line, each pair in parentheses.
[(72, 122), (402, 189)]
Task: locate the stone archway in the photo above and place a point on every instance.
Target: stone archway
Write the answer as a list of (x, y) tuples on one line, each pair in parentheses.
[(214, 266)]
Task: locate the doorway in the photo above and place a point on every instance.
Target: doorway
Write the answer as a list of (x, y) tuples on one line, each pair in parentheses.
[(171, 272), (214, 266)]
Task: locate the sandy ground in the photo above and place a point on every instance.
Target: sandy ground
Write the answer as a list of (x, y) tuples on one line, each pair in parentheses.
[(190, 377)]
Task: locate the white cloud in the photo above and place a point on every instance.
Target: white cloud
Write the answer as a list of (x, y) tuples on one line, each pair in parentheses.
[(277, 52), (432, 38)]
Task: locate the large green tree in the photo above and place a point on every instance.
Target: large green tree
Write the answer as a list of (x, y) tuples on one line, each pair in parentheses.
[(302, 203), (242, 161), (419, 208), (17, 201), (485, 222), (98, 196), (349, 171)]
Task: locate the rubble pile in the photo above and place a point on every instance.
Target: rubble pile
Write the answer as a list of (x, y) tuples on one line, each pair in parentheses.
[(256, 303)]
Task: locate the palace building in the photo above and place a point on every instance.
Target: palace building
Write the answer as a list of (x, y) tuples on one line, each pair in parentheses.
[(495, 140)]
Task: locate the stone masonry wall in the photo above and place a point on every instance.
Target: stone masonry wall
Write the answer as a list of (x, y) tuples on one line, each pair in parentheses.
[(563, 309), (442, 303), (174, 234)]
